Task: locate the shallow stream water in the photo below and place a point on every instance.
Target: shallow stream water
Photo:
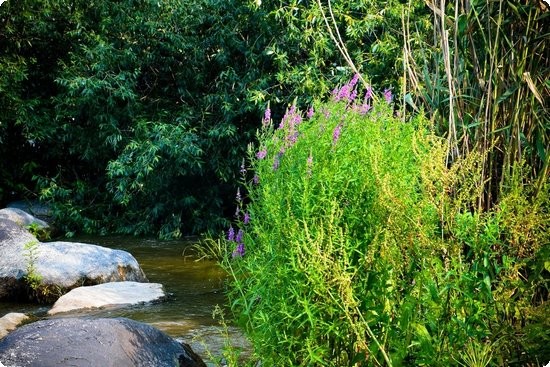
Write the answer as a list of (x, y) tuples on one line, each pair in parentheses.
[(195, 288)]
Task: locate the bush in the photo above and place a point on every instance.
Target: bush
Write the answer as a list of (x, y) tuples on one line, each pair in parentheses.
[(352, 249)]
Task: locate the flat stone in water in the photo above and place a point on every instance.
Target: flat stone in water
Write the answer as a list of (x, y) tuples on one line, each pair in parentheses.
[(108, 294), (10, 321)]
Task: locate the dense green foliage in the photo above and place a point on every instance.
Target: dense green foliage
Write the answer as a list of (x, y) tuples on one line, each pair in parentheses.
[(483, 78), (132, 116), (367, 236), (356, 246)]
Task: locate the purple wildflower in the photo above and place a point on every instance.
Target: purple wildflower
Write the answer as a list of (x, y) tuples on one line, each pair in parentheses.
[(239, 251), (276, 163), (335, 92), (239, 237), (388, 95), (238, 196), (336, 134), (231, 234), (296, 119), (344, 93), (267, 117), (354, 80), (292, 138), (310, 112), (246, 219), (261, 154), (353, 95), (364, 108), (368, 93), (256, 179)]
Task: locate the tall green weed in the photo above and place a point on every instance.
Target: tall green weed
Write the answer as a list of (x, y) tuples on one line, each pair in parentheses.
[(355, 247)]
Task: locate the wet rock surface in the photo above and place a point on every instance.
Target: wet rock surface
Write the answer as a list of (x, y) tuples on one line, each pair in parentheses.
[(91, 342)]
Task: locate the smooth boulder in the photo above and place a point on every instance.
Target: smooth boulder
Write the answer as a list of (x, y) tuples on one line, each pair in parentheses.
[(88, 342), (10, 321), (22, 218), (33, 207), (115, 294), (60, 266)]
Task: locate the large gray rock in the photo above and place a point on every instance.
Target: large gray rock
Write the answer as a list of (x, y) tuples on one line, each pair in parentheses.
[(87, 342), (22, 218), (13, 264), (108, 294), (34, 208), (60, 266), (10, 321)]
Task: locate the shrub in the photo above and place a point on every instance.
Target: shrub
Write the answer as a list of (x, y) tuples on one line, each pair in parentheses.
[(354, 246)]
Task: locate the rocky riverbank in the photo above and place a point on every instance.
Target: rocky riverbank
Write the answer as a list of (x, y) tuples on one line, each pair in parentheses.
[(77, 276)]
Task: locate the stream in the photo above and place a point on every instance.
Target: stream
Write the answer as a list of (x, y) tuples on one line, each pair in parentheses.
[(195, 288)]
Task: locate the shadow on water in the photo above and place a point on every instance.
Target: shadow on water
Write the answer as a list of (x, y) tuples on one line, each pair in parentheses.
[(195, 288)]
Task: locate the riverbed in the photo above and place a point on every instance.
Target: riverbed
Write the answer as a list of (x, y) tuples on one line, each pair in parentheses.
[(195, 287)]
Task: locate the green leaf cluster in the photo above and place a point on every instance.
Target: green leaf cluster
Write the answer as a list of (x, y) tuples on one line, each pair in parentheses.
[(355, 249), (132, 116)]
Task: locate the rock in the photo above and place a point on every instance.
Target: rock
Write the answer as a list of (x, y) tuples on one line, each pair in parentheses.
[(10, 321), (22, 218), (71, 264), (108, 294), (35, 208), (87, 342), (60, 266), (13, 264)]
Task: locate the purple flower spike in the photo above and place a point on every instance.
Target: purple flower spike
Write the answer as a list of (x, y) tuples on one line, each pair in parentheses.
[(239, 237), (388, 95), (276, 163), (231, 234), (267, 117), (261, 154), (238, 196), (354, 80), (239, 251), (364, 108), (353, 95), (246, 219), (243, 168), (344, 93), (309, 165), (256, 179), (336, 134), (310, 112), (368, 93)]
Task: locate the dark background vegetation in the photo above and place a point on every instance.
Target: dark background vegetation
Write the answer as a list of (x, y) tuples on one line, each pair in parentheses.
[(133, 116)]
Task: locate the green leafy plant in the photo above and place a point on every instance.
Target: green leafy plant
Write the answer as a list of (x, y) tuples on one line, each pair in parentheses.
[(39, 291), (39, 231), (355, 244), (33, 278)]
